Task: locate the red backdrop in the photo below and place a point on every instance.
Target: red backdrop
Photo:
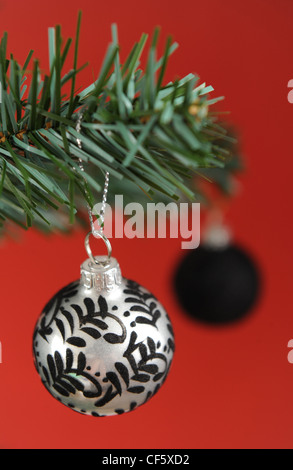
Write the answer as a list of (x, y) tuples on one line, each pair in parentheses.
[(236, 381)]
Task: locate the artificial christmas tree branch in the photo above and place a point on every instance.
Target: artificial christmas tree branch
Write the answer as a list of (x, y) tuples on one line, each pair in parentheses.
[(156, 136)]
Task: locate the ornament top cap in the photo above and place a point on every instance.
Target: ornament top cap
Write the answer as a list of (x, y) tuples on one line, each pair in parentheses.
[(217, 236), (103, 275)]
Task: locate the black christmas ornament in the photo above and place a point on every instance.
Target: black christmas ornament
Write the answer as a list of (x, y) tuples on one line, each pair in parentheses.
[(218, 282)]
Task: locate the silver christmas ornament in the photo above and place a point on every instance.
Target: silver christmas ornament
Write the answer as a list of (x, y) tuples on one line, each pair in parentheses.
[(103, 344)]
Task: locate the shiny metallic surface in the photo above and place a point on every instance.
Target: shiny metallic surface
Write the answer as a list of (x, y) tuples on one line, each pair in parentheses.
[(100, 274), (103, 351), (89, 251)]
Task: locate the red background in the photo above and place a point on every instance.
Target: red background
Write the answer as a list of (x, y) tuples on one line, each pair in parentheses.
[(229, 387)]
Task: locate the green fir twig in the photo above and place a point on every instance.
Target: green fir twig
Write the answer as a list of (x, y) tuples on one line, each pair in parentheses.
[(141, 130)]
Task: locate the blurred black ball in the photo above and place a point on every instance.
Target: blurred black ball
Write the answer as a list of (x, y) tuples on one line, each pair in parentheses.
[(217, 285)]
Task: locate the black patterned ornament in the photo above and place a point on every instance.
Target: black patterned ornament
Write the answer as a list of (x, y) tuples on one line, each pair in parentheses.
[(218, 282), (103, 345)]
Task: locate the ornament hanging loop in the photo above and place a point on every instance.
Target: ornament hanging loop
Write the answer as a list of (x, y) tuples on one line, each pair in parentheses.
[(89, 251), (96, 233)]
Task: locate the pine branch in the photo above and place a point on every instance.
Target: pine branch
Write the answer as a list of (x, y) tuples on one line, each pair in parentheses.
[(141, 131)]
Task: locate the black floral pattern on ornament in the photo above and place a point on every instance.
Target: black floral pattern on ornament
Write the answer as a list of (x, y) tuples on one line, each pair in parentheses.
[(65, 379), (144, 361), (138, 373), (53, 307), (91, 320), (96, 318), (143, 302)]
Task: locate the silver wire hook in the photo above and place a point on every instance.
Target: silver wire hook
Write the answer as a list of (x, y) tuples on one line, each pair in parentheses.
[(100, 217), (89, 251)]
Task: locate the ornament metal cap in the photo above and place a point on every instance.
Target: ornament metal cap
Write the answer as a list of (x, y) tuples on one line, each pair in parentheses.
[(217, 237), (102, 275)]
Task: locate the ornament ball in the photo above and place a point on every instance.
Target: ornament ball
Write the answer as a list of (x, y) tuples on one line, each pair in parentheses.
[(103, 345), (217, 285)]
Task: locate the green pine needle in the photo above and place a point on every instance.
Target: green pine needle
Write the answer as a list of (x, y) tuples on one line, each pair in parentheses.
[(141, 130)]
